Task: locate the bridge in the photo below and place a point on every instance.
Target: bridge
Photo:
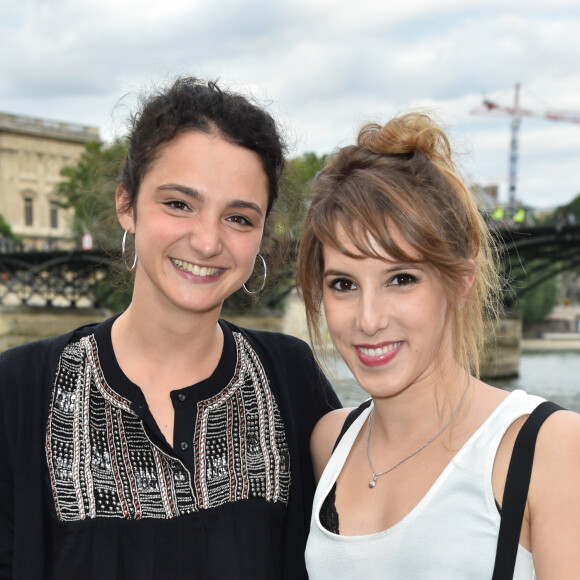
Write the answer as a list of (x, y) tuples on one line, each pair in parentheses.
[(53, 279), (532, 255), (529, 255)]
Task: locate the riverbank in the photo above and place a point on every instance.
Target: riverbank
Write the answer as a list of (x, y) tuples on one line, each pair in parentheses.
[(551, 344)]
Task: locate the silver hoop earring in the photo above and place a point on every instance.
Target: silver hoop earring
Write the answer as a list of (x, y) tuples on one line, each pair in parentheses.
[(254, 292), (123, 253)]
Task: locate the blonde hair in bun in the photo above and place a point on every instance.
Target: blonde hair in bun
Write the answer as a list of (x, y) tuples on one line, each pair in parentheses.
[(410, 133)]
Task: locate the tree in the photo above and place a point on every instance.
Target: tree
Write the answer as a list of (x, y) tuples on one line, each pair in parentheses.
[(295, 192), (9, 241), (89, 188), (285, 225), (6, 230), (536, 304), (572, 207)]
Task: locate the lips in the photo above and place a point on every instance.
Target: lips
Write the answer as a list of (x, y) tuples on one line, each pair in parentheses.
[(378, 355), (194, 269)]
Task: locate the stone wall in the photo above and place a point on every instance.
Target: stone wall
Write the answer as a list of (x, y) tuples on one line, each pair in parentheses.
[(22, 325), (503, 350)]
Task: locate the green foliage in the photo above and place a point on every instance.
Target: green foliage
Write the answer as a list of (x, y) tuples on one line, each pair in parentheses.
[(115, 291), (295, 193), (572, 207), (284, 225), (89, 187), (6, 230), (535, 305)]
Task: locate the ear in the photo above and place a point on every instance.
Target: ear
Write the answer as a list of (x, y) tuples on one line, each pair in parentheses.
[(125, 216)]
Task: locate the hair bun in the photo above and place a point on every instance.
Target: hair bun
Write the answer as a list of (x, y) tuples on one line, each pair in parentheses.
[(404, 135)]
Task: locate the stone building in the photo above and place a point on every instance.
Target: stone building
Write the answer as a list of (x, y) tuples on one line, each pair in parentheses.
[(32, 153)]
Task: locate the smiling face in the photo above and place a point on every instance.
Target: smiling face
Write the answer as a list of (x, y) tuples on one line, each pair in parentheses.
[(387, 319), (198, 223)]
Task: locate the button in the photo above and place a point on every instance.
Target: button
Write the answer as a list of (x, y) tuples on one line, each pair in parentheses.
[(184, 445), (182, 397)]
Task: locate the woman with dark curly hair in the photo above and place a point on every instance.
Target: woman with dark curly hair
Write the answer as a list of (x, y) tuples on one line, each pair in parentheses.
[(166, 442)]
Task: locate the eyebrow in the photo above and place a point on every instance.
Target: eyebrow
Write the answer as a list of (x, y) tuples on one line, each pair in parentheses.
[(195, 194), (241, 204), (334, 273), (394, 268), (189, 191)]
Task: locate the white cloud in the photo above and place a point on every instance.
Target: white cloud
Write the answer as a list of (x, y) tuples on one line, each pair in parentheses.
[(326, 66)]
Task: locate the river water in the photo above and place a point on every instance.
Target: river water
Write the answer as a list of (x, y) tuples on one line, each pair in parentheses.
[(554, 375)]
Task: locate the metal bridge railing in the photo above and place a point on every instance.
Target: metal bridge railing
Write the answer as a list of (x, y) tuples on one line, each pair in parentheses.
[(52, 279)]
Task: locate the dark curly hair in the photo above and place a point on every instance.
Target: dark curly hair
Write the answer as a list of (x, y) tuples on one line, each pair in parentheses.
[(190, 104)]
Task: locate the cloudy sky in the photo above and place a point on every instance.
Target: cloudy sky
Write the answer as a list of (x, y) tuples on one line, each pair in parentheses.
[(323, 66)]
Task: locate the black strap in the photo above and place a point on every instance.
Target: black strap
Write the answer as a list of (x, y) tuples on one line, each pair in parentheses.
[(516, 491), (350, 419)]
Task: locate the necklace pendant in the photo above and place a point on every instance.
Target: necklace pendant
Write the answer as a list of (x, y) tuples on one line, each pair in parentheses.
[(373, 482)]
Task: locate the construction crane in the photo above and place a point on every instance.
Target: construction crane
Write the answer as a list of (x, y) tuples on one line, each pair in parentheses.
[(516, 113)]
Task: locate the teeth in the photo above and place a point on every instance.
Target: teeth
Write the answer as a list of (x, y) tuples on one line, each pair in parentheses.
[(379, 351), (195, 269)]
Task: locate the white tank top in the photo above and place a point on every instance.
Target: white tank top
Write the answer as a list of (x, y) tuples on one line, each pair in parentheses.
[(451, 534)]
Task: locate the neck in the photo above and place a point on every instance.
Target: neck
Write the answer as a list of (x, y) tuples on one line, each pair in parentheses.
[(425, 405), (164, 339)]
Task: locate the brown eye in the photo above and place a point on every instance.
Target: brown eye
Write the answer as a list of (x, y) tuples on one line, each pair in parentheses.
[(240, 219), (342, 285), (403, 280), (177, 204)]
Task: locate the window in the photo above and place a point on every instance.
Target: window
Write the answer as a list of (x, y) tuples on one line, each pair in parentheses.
[(54, 215), (28, 211)]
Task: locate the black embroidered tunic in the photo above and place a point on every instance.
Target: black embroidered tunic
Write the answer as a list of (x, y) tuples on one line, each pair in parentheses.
[(89, 487)]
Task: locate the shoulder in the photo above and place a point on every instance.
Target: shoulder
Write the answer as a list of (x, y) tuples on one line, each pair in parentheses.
[(273, 341), (558, 442), (554, 502), (28, 352), (285, 353), (329, 430), (557, 458), (324, 437), (329, 427), (26, 373), (33, 357)]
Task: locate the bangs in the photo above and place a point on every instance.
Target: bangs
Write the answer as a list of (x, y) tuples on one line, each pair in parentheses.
[(373, 231)]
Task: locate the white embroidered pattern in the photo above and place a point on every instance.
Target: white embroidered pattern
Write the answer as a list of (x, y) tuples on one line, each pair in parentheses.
[(103, 464)]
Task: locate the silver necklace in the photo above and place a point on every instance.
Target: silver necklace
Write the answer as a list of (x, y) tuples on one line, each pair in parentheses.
[(376, 475)]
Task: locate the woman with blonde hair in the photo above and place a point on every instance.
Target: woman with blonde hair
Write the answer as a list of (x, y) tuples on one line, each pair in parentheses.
[(396, 254)]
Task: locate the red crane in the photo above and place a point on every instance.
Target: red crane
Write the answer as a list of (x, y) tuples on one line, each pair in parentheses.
[(516, 113)]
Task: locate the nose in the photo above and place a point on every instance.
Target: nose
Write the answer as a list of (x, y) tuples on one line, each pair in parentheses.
[(206, 239), (373, 313)]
